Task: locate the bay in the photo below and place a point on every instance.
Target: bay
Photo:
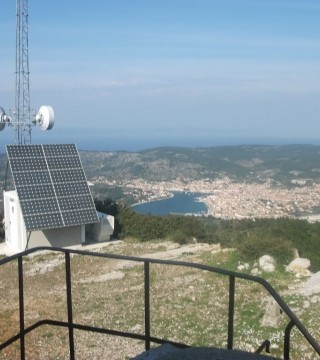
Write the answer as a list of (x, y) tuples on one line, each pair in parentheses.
[(182, 203)]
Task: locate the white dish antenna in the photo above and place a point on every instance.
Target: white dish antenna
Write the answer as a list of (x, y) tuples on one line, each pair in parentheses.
[(4, 119), (45, 117)]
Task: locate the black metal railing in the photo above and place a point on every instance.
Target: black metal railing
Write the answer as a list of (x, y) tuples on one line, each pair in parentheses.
[(146, 337)]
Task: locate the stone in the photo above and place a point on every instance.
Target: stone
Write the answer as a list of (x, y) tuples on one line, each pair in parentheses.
[(267, 263), (272, 315), (137, 328), (306, 304), (255, 271), (312, 285), (240, 267), (299, 266), (315, 299), (244, 266)]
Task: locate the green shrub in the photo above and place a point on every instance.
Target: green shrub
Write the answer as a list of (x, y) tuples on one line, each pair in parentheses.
[(180, 237), (256, 245)]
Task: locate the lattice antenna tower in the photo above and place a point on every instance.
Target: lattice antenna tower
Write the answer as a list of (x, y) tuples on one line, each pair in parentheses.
[(22, 111), (23, 117)]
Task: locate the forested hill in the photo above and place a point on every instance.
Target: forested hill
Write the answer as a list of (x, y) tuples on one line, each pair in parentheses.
[(249, 162)]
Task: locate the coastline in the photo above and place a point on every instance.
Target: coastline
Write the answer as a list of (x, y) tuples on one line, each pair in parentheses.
[(171, 195), (191, 202)]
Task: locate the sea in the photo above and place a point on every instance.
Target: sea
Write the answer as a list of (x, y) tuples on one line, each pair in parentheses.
[(182, 203), (102, 140)]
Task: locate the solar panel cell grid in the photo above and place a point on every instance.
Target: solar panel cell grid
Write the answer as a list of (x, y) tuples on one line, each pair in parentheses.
[(39, 207), (60, 150), (24, 151), (65, 176), (76, 202), (73, 217), (71, 189), (28, 164), (27, 178), (36, 192), (44, 221), (64, 162)]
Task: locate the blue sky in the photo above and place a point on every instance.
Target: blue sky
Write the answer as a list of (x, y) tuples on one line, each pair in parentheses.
[(174, 72)]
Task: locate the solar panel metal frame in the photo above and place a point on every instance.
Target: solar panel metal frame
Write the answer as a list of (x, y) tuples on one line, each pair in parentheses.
[(51, 185)]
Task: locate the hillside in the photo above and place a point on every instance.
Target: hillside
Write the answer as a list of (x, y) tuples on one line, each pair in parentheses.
[(188, 305), (252, 163), (286, 167)]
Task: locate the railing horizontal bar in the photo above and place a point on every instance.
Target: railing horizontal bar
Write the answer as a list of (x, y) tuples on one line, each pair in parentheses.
[(109, 331), (31, 328), (9, 341), (92, 329)]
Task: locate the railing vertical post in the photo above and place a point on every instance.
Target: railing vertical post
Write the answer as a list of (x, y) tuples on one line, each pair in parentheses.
[(69, 305), (231, 311), (21, 308), (286, 346), (147, 303)]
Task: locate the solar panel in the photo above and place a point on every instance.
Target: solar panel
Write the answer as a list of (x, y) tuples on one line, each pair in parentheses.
[(51, 186)]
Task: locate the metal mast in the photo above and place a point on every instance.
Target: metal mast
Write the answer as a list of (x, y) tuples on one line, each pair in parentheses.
[(23, 120), (22, 112)]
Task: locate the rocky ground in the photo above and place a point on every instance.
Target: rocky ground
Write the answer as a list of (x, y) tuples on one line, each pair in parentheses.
[(187, 305)]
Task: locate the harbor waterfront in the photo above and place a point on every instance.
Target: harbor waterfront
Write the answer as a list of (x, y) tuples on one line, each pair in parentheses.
[(229, 199), (182, 203)]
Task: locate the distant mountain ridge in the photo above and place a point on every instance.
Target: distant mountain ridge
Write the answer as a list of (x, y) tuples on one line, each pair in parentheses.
[(286, 164)]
